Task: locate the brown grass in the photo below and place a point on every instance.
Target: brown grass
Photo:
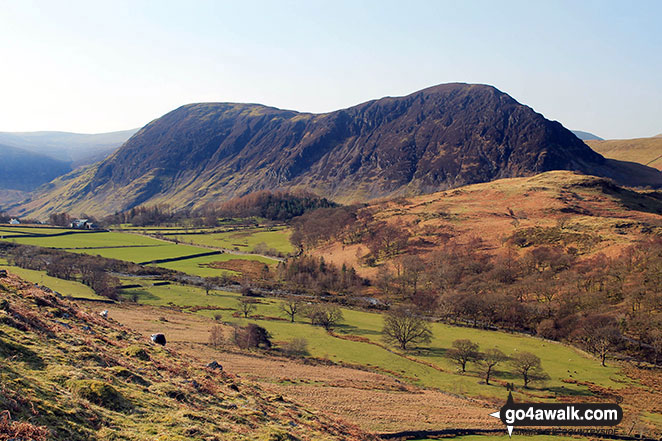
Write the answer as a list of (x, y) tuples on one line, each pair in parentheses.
[(647, 151), (14, 430), (493, 211), (248, 268), (373, 401)]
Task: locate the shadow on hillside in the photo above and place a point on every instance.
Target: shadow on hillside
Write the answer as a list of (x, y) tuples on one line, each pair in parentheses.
[(138, 295), (344, 328), (428, 352), (568, 391), (11, 350)]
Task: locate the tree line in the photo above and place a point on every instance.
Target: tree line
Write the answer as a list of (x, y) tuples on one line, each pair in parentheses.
[(93, 271), (601, 303)]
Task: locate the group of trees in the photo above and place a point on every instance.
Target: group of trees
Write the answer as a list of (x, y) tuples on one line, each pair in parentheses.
[(404, 325), (323, 225), (525, 364), (250, 336), (350, 224), (93, 271), (308, 273), (272, 205), (143, 215), (602, 304)]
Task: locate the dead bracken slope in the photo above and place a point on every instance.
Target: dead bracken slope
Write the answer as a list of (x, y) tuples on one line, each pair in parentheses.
[(66, 374)]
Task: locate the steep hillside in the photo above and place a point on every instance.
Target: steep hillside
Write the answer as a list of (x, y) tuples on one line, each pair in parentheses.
[(24, 170), (646, 151), (67, 374), (558, 208), (438, 138), (78, 148)]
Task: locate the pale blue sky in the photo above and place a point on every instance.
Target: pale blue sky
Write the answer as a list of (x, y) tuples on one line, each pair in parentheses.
[(91, 66)]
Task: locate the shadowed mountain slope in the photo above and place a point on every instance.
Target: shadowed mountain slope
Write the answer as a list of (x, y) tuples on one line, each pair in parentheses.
[(24, 170), (434, 139)]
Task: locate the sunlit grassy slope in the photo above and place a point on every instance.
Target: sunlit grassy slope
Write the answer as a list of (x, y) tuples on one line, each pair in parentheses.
[(432, 370), (64, 287), (243, 240), (69, 375), (647, 151)]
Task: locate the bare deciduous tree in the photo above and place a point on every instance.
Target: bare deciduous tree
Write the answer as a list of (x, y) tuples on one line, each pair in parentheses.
[(462, 352), (246, 307), (489, 360), (529, 367), (216, 336), (326, 316), (403, 326), (291, 307)]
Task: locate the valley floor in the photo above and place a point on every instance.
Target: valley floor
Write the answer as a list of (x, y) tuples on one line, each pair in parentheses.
[(375, 402)]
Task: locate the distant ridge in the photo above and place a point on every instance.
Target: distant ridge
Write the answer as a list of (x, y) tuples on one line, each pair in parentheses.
[(76, 148), (24, 170), (441, 137), (585, 136)]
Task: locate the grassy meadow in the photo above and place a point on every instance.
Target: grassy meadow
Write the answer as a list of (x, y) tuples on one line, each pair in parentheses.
[(64, 287), (138, 248), (242, 240), (426, 366)]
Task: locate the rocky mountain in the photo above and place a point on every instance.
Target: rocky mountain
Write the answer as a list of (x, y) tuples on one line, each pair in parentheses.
[(77, 148), (24, 170), (585, 136), (434, 139)]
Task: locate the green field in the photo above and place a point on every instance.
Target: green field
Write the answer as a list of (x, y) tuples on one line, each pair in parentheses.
[(242, 240), (197, 265), (34, 230), (136, 248), (91, 240), (64, 287), (560, 361), (139, 254)]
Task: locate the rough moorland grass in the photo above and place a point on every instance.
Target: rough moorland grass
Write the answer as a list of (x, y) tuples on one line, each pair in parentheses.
[(243, 240), (647, 151), (81, 385), (505, 438), (560, 361), (64, 287)]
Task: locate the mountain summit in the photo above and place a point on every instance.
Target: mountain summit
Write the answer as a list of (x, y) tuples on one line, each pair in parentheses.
[(437, 138)]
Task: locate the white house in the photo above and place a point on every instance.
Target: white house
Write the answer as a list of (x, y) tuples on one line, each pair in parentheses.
[(82, 224), (14, 222)]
